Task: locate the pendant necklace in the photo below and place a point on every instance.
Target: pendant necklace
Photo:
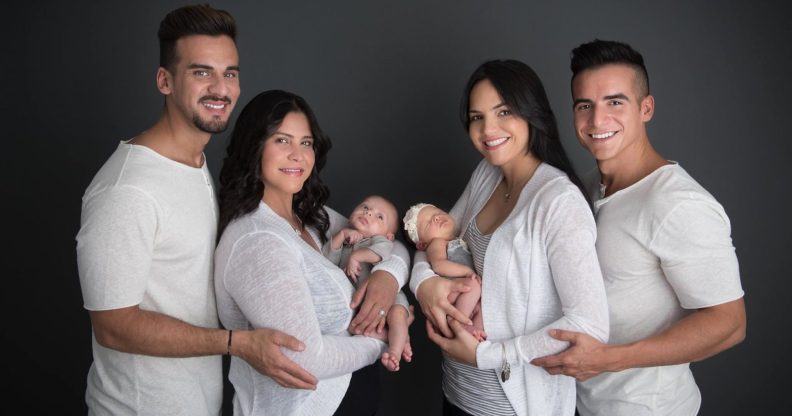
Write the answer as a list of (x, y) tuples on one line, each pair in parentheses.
[(508, 193)]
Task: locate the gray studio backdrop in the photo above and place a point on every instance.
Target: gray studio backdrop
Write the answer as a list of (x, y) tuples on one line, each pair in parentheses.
[(384, 78)]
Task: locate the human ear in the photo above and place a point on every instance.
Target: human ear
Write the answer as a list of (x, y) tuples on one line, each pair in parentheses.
[(164, 81), (647, 108)]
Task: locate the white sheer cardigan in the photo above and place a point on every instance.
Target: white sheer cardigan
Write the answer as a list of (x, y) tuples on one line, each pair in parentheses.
[(266, 276)]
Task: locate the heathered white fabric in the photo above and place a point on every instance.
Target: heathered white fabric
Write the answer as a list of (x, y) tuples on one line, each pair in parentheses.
[(267, 277), (147, 238), (540, 272)]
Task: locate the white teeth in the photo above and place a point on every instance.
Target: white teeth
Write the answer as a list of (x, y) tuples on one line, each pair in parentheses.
[(603, 135), (215, 106), (496, 142)]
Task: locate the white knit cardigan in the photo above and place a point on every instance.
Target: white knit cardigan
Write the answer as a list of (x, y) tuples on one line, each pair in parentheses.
[(540, 272)]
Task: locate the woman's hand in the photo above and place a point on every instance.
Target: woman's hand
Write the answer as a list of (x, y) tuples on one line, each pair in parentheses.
[(461, 347), (377, 294), (433, 296)]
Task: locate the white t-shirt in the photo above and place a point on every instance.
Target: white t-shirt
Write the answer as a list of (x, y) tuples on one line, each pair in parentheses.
[(665, 249), (147, 238)]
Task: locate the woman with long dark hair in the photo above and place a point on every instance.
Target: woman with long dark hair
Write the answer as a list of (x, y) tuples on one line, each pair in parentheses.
[(270, 272), (532, 234)]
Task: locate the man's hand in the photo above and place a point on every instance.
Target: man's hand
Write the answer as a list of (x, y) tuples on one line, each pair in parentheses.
[(433, 296), (261, 348), (377, 294), (585, 358)]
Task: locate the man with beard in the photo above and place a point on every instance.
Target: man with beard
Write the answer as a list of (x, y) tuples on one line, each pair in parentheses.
[(147, 239)]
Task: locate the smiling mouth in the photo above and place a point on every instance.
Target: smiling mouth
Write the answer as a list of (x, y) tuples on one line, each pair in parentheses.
[(214, 106), (600, 136), (292, 171), (496, 142)]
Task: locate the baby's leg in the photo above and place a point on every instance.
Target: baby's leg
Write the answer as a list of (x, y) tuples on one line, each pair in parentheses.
[(398, 338), (469, 304)]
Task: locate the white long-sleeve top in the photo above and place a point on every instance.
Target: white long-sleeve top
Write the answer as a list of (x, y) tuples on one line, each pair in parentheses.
[(266, 276), (540, 272)]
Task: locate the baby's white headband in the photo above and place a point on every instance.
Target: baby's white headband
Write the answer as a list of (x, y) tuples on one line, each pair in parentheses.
[(410, 220)]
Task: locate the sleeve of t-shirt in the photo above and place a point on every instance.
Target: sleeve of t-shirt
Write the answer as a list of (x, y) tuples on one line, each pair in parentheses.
[(114, 247), (397, 264), (696, 254)]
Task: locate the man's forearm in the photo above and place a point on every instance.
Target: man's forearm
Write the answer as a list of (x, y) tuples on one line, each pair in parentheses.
[(700, 335), (139, 331)]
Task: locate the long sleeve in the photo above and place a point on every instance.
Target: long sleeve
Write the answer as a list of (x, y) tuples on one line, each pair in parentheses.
[(569, 235), (266, 278)]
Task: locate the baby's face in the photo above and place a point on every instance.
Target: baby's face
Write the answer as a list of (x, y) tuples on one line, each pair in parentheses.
[(375, 216), (433, 222)]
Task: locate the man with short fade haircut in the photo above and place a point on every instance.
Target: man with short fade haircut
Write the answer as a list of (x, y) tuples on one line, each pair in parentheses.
[(147, 240), (664, 246)]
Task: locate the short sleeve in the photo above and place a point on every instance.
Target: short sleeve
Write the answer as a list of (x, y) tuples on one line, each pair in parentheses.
[(114, 247), (696, 254)]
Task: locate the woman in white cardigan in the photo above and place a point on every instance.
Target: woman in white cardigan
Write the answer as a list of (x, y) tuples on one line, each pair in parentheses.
[(270, 272), (532, 236)]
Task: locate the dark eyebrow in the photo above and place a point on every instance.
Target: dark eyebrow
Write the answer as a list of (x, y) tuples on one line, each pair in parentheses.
[(282, 133), (616, 96), (501, 104), (581, 100), (202, 66)]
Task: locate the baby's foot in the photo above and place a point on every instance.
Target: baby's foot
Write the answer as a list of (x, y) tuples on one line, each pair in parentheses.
[(407, 354), (477, 332), (390, 360)]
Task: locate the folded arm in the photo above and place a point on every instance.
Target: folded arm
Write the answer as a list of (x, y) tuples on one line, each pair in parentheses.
[(267, 282)]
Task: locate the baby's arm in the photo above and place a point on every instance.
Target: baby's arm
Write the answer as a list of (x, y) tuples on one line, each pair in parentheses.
[(347, 234), (361, 255), (437, 255)]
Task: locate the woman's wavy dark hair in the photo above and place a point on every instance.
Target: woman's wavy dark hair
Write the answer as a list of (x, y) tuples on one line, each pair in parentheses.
[(522, 91), (241, 186)]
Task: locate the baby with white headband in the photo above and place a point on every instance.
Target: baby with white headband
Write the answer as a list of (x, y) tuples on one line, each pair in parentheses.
[(432, 230)]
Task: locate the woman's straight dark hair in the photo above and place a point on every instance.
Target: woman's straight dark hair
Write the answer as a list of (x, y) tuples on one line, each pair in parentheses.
[(241, 185), (522, 91)]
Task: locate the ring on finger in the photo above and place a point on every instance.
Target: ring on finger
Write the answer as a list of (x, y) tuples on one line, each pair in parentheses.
[(382, 312)]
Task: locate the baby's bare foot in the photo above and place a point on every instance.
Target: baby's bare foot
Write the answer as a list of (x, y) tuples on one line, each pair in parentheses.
[(390, 361), (407, 354)]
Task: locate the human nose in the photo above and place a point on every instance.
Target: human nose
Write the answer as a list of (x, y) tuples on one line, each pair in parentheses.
[(218, 85), (490, 125), (296, 153), (598, 116)]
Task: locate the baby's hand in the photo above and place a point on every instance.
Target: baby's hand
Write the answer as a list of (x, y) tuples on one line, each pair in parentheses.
[(352, 236), (353, 269)]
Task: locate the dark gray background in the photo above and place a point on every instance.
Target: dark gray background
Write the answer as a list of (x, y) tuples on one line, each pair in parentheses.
[(385, 80)]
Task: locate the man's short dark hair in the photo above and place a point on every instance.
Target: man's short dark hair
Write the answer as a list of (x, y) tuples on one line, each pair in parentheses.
[(200, 19), (598, 53)]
